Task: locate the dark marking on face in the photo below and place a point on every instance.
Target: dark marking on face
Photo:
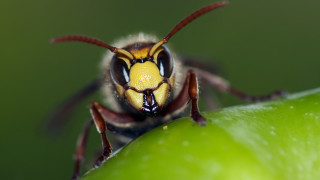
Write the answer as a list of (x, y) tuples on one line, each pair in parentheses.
[(150, 106)]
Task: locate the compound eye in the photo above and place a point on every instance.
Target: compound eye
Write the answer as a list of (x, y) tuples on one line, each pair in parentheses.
[(165, 63), (119, 71)]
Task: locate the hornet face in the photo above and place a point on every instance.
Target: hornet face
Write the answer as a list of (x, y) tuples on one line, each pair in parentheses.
[(146, 80)]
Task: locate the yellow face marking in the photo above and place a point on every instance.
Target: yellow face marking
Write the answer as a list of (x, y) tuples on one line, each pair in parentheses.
[(125, 60), (155, 47), (140, 53), (120, 89), (155, 56), (144, 75), (171, 80), (124, 52), (134, 98), (161, 94)]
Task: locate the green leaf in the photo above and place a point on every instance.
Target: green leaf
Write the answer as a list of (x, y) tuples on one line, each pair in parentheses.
[(264, 141)]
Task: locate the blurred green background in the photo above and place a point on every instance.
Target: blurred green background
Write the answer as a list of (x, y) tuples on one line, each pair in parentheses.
[(260, 46)]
